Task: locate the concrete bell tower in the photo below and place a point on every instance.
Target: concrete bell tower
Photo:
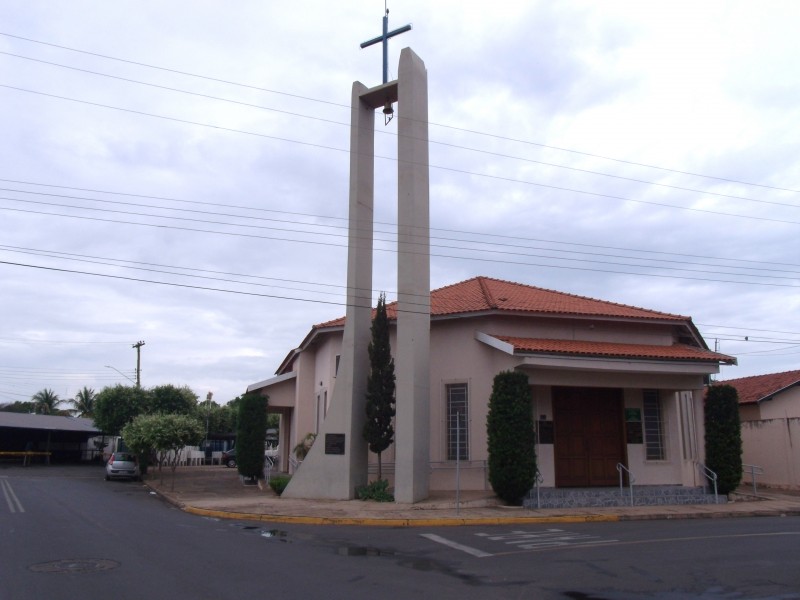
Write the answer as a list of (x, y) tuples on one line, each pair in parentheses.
[(337, 463)]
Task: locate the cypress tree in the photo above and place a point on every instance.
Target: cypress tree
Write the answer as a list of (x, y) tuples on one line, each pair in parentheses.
[(380, 408), (251, 435), (723, 436), (509, 425)]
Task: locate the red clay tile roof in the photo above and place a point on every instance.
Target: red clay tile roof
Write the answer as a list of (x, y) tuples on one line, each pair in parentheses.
[(482, 294), (759, 387), (613, 350)]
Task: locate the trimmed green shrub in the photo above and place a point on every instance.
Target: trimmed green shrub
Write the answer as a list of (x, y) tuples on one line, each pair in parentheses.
[(279, 483), (723, 436), (377, 490), (251, 435), (509, 425)]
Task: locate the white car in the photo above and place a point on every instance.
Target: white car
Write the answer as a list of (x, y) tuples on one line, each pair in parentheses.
[(122, 465)]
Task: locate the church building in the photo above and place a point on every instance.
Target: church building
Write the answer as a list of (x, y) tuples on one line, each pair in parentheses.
[(610, 385)]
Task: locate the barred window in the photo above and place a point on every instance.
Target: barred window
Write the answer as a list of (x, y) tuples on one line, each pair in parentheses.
[(653, 426), (457, 419)]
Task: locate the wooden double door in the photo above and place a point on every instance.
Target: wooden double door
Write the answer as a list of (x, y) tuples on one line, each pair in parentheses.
[(589, 436)]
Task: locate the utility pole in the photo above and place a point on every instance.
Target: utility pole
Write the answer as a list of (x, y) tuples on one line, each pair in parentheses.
[(138, 345)]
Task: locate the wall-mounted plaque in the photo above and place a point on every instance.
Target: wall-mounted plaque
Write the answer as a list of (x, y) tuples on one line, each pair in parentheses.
[(545, 432), (633, 432), (633, 414), (334, 443)]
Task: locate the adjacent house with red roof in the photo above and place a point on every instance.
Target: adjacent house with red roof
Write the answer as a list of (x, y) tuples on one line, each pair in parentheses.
[(610, 384), (769, 407)]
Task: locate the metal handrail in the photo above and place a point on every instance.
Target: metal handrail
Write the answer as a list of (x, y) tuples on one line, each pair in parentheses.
[(538, 480), (294, 463), (631, 479), (754, 470), (711, 475)]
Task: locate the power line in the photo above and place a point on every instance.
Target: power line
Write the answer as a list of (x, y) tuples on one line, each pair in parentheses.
[(438, 167), (709, 335), (461, 129), (592, 247), (342, 235), (761, 265), (384, 132), (80, 257), (747, 328), (527, 264), (176, 71)]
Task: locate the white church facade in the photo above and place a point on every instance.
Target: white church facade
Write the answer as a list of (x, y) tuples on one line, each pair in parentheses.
[(610, 385)]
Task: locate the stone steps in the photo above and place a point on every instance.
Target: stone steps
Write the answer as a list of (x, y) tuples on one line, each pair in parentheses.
[(643, 495)]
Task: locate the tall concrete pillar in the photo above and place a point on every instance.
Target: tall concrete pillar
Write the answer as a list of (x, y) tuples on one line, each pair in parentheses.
[(412, 355), (337, 463), (337, 472)]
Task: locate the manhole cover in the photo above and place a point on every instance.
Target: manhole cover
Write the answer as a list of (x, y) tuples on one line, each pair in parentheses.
[(75, 565)]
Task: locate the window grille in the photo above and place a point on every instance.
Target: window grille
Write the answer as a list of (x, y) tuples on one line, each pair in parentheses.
[(653, 426), (457, 419)]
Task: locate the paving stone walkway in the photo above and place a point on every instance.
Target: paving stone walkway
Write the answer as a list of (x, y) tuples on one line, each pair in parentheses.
[(218, 492)]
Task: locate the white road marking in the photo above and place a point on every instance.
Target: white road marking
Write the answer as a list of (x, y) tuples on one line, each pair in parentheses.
[(455, 545), (14, 505), (548, 538)]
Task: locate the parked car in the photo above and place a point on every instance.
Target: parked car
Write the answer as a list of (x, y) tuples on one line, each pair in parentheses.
[(122, 465), (229, 458)]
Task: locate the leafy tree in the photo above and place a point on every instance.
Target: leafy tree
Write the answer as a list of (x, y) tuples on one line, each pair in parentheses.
[(509, 425), (83, 404), (166, 434), (18, 407), (232, 410), (221, 419), (46, 402), (723, 436), (251, 435), (116, 406), (140, 439), (380, 407), (169, 399)]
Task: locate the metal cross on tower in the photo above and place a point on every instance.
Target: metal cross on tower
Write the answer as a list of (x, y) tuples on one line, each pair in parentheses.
[(384, 38)]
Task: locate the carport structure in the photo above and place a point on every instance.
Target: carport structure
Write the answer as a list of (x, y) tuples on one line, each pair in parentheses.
[(57, 438)]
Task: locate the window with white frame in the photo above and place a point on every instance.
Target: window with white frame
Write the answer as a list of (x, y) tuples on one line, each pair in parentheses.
[(457, 419), (653, 426)]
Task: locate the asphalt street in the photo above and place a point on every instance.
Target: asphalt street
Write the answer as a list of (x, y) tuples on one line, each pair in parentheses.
[(68, 534)]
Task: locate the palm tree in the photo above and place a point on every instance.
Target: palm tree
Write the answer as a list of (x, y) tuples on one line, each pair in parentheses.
[(83, 403), (45, 402)]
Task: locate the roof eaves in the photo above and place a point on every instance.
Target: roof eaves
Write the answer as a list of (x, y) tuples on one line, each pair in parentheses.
[(774, 393), (271, 381)]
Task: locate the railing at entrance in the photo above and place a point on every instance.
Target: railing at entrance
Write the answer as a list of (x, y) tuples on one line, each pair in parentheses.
[(538, 480), (631, 479), (754, 470), (711, 476)]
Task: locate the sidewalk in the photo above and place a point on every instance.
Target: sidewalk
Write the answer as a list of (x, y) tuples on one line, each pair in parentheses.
[(216, 491)]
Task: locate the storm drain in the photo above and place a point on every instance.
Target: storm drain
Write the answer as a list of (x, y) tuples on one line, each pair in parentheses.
[(75, 565)]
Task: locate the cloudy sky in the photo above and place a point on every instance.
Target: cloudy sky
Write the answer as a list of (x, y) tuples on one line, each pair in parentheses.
[(177, 173)]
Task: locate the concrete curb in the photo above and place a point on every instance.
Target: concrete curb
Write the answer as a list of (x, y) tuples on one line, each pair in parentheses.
[(394, 521), (711, 515), (400, 521)]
